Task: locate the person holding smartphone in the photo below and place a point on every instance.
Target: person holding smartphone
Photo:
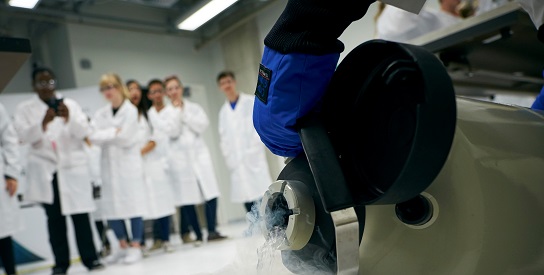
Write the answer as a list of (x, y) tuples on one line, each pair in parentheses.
[(191, 166), (58, 174)]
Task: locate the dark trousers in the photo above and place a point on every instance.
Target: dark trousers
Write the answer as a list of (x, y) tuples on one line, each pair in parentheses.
[(161, 229), (56, 224), (211, 214), (7, 255), (190, 214), (184, 226), (211, 217), (100, 228)]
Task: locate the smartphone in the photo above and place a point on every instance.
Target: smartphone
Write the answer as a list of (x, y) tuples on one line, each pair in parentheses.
[(54, 104)]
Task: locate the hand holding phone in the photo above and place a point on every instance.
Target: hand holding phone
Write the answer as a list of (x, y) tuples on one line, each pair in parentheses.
[(62, 110), (54, 103), (49, 116)]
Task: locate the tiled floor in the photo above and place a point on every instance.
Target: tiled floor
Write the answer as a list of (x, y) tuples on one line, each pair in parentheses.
[(237, 255)]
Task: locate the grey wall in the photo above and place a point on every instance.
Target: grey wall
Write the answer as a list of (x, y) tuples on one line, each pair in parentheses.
[(241, 53), (57, 53)]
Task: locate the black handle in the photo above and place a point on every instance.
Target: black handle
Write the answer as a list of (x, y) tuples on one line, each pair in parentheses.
[(328, 175)]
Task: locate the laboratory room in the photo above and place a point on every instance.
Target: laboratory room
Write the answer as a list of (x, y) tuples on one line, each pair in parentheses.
[(272, 137)]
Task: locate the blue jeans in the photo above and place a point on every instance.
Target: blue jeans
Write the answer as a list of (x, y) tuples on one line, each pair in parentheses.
[(119, 228)]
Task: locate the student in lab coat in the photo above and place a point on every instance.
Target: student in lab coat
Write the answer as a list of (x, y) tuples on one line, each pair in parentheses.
[(167, 120), (242, 148), (10, 170), (191, 163), (93, 153), (154, 149), (115, 130), (397, 25), (135, 93), (57, 170)]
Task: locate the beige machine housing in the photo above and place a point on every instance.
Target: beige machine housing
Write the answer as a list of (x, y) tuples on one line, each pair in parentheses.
[(489, 203)]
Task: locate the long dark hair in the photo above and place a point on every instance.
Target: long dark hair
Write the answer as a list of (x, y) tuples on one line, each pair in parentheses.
[(143, 105)]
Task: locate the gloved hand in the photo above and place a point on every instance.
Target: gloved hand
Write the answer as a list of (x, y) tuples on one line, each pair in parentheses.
[(301, 54), (539, 102)]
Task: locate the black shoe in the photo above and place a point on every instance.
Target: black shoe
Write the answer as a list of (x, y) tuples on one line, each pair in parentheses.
[(95, 266), (215, 236), (59, 271)]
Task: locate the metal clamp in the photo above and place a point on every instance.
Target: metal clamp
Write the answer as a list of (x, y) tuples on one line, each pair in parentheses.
[(300, 210)]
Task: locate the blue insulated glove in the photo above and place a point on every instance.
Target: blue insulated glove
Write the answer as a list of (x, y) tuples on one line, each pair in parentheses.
[(539, 102), (289, 86), (300, 57)]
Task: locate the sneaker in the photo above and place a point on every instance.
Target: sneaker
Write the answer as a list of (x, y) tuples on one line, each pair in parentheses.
[(59, 271), (145, 252), (133, 255), (186, 238), (156, 245), (96, 266), (215, 236), (167, 247), (106, 251), (197, 242), (114, 258)]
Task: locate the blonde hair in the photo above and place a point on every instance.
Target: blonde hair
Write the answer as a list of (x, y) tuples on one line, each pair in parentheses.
[(115, 80)]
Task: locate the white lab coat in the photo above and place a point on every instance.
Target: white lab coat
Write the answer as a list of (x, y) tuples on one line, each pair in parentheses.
[(160, 201), (59, 149), (244, 152), (535, 9), (401, 26), (94, 155), (10, 217), (123, 189), (191, 168)]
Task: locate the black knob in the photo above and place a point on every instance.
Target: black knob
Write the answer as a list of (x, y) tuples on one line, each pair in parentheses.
[(416, 211)]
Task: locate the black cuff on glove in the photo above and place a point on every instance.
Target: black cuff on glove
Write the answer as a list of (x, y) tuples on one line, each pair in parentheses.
[(313, 26)]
